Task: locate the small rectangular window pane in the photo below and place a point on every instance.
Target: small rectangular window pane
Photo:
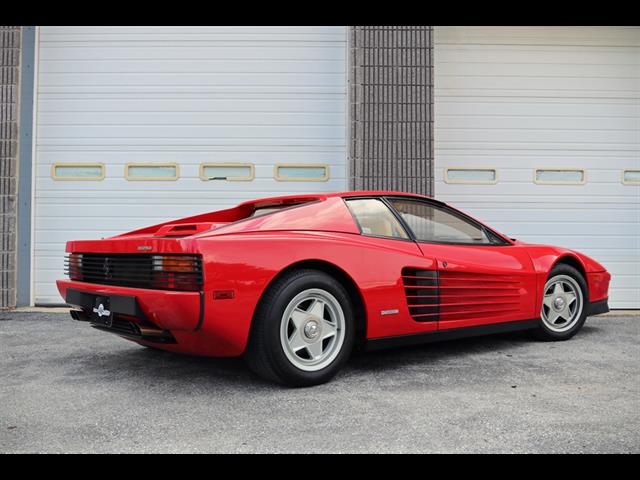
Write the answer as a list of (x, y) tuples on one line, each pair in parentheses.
[(471, 175), (151, 172), (631, 177), (227, 171), (77, 171), (560, 176), (374, 218), (302, 173)]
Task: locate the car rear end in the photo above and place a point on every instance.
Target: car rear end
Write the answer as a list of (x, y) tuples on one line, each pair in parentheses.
[(144, 289)]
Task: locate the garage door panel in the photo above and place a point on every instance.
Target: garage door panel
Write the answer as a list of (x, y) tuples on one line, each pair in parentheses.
[(517, 160), (544, 69), (66, 119), (536, 54), (118, 132), (168, 103), (581, 192), (568, 201), (191, 158), (161, 66), (579, 108), (568, 136), (535, 36), (548, 95), (532, 98), (574, 83), (592, 216), (259, 51), (237, 141), (249, 79), (183, 95), (541, 122), (190, 33)]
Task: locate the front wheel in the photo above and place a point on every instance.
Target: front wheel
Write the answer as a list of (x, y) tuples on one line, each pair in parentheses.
[(303, 330), (564, 301)]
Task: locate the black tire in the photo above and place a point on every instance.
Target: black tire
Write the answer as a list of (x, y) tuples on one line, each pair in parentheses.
[(265, 353), (543, 332)]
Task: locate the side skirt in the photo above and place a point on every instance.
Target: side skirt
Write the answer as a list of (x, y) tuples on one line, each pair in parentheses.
[(452, 334)]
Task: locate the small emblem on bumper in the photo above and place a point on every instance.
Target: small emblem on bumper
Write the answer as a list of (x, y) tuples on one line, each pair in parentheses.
[(101, 311), (145, 247), (390, 312)]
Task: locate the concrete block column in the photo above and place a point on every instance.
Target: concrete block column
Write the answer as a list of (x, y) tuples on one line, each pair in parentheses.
[(391, 108)]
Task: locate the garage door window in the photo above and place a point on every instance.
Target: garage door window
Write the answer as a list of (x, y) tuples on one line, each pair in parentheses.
[(553, 176), (480, 176), (631, 177), (151, 172), (77, 171), (233, 172), (301, 172)]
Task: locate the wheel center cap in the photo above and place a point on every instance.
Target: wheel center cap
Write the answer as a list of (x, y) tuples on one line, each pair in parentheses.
[(559, 303), (311, 329)]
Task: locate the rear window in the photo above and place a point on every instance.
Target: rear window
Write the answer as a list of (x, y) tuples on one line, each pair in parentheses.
[(375, 219), (265, 210)]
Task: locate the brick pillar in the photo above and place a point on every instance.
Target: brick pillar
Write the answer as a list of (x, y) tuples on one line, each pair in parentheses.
[(391, 108), (9, 78)]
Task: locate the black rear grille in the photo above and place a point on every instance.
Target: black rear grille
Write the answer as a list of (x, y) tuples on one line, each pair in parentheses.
[(422, 290), (162, 272)]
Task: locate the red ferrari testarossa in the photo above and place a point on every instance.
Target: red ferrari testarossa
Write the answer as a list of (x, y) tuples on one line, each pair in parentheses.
[(295, 283)]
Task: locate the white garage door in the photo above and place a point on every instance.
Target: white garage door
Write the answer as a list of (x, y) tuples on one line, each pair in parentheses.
[(562, 101), (169, 100)]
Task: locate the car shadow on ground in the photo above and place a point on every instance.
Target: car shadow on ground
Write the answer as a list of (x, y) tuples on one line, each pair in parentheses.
[(161, 367)]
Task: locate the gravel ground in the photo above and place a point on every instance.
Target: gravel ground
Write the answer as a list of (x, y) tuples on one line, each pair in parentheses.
[(65, 387)]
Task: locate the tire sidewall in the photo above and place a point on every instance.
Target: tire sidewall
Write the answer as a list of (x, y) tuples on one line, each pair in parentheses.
[(563, 269), (272, 323)]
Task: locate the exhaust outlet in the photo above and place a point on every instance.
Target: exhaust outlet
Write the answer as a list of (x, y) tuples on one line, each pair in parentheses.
[(150, 331)]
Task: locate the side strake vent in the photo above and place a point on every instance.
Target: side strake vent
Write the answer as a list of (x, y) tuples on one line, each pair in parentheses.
[(451, 295), (422, 289), (469, 295)]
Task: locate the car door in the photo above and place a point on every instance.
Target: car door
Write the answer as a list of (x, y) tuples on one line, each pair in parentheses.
[(396, 279), (482, 278)]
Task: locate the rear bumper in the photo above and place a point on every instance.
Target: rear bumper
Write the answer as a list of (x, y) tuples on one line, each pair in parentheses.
[(184, 322), (168, 310), (596, 308)]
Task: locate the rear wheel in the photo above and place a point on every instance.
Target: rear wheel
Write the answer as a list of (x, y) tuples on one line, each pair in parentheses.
[(303, 330), (563, 311)]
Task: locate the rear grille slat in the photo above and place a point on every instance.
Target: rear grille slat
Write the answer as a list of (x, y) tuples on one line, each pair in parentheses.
[(171, 272)]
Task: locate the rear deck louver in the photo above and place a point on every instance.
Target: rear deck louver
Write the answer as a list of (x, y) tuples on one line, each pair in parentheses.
[(422, 290)]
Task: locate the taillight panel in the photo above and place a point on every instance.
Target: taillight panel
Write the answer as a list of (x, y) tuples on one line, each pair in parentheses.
[(162, 272)]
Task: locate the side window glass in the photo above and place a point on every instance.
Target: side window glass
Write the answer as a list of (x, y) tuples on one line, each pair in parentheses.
[(374, 218), (431, 223)]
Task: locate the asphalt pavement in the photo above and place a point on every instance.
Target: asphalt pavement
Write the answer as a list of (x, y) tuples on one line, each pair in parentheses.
[(65, 387)]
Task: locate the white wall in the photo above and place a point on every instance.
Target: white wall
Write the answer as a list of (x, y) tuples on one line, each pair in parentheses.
[(522, 98)]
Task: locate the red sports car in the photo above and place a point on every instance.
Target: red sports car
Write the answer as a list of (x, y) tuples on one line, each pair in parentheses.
[(295, 283)]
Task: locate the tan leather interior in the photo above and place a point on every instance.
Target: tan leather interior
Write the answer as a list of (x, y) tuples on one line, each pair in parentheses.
[(376, 225)]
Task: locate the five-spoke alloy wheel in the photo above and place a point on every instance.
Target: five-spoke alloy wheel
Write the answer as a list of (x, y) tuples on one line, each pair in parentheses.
[(312, 329), (303, 330), (564, 300), (562, 303)]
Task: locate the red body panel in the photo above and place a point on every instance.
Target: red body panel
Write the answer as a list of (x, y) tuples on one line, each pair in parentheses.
[(484, 284), (478, 284)]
